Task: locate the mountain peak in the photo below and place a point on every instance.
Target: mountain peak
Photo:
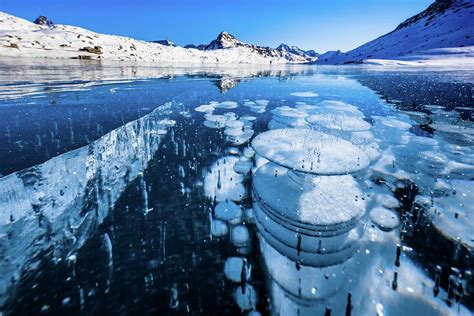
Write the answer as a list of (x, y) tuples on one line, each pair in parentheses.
[(296, 51), (224, 40), (42, 20)]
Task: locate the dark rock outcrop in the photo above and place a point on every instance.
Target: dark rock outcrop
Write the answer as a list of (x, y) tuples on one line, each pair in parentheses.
[(42, 20)]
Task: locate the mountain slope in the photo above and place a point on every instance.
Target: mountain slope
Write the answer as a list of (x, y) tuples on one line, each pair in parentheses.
[(445, 29), (20, 38)]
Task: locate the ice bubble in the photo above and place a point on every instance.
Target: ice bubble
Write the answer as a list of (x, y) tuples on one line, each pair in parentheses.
[(216, 118), (337, 121), (215, 125), (258, 109), (234, 124), (248, 152), (312, 201), (214, 121), (249, 215), (286, 111), (227, 105), (385, 219), (230, 115), (222, 182), (372, 150), (66, 301), (237, 138), (234, 132), (246, 297), (335, 105), (227, 211), (240, 235), (387, 200), (304, 94), (206, 108), (233, 269), (219, 228), (300, 282), (310, 151), (249, 103), (262, 102), (243, 166), (285, 116), (322, 247), (249, 118), (361, 138)]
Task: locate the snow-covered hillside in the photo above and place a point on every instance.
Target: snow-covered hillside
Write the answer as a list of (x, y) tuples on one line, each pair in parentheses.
[(21, 38), (441, 34)]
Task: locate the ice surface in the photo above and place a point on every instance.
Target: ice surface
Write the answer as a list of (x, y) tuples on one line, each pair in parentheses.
[(310, 151)]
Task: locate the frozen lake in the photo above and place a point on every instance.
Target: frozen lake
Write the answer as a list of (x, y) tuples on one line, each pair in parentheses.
[(297, 190)]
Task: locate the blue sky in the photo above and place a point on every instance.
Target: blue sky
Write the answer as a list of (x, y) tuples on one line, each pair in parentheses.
[(310, 24)]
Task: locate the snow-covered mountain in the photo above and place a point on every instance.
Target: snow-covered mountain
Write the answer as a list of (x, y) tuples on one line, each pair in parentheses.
[(292, 53), (310, 54), (444, 31), (21, 38)]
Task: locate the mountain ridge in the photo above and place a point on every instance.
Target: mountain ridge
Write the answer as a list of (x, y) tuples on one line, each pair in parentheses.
[(443, 30), (21, 38)]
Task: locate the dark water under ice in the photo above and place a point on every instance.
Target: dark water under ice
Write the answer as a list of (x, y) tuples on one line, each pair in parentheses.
[(134, 236)]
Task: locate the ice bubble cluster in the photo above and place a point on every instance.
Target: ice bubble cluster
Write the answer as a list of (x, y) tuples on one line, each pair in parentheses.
[(310, 151)]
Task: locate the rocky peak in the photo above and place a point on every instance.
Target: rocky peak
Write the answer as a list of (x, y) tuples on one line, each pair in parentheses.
[(224, 40), (42, 20), (296, 51), (165, 43)]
